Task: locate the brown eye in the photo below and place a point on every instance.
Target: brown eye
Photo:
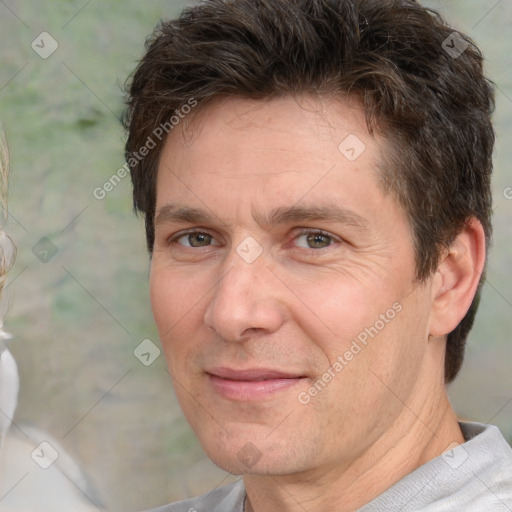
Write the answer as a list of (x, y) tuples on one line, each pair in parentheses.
[(195, 239), (314, 240), (318, 240)]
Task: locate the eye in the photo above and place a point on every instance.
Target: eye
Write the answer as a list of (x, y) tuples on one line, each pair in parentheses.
[(314, 239), (194, 239)]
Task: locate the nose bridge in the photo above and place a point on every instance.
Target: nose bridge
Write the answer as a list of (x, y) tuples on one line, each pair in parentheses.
[(244, 298), (240, 278)]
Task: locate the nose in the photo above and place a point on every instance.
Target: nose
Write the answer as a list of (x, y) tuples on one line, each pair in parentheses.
[(246, 301)]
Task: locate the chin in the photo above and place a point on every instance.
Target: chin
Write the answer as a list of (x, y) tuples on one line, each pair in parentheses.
[(252, 454)]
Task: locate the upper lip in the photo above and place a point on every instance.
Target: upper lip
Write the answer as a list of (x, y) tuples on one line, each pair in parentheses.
[(252, 374)]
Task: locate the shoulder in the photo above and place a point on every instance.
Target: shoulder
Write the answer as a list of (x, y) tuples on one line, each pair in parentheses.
[(229, 498), (473, 477), (488, 457)]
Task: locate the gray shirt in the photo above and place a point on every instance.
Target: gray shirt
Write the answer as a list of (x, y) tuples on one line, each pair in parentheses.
[(473, 477)]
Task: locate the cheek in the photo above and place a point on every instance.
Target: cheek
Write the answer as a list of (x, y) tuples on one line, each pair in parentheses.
[(177, 302), (342, 310), (164, 303), (398, 351)]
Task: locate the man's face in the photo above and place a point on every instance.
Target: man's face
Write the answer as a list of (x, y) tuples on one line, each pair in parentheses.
[(278, 255)]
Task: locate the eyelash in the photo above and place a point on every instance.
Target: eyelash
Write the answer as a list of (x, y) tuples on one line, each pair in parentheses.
[(305, 231)]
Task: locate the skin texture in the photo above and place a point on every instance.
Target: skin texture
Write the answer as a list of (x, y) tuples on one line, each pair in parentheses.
[(301, 303)]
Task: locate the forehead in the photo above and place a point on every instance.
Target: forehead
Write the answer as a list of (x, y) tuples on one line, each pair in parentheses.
[(238, 154), (294, 124)]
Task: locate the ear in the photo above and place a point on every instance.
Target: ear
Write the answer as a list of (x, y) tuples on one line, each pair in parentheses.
[(456, 280)]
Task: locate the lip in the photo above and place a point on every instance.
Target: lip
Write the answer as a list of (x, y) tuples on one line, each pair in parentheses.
[(252, 384)]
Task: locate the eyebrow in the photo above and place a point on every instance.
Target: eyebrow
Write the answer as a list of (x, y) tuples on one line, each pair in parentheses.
[(170, 213), (332, 213)]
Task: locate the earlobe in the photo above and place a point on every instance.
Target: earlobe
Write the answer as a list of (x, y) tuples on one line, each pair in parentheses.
[(457, 277)]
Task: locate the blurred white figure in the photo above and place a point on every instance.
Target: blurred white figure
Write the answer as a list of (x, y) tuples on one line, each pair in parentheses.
[(9, 379), (9, 387), (24, 486)]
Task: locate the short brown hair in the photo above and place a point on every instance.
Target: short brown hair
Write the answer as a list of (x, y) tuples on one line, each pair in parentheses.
[(421, 83)]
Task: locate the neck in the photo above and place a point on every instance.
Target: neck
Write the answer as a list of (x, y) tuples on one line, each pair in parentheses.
[(421, 433)]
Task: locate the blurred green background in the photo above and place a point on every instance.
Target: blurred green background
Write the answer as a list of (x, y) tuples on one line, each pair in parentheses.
[(80, 302)]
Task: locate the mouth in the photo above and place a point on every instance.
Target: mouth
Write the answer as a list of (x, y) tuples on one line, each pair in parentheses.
[(252, 384)]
